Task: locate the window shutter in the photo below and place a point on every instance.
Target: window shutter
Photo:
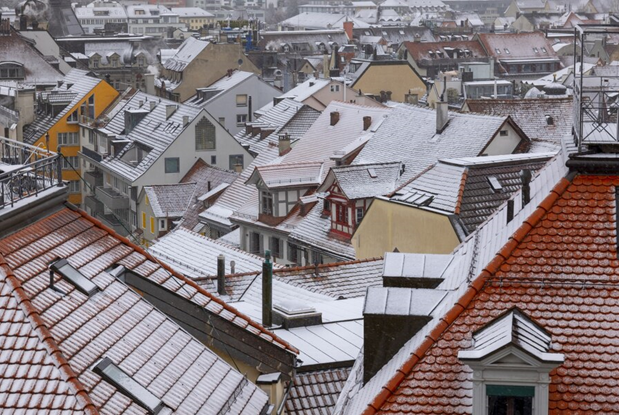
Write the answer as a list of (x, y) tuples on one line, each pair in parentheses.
[(261, 245)]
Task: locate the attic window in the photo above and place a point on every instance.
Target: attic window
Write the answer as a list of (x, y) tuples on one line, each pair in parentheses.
[(544, 50), (494, 184), (401, 32), (498, 51), (128, 386), (507, 51), (535, 50), (550, 120), (367, 33), (72, 276), (372, 173)]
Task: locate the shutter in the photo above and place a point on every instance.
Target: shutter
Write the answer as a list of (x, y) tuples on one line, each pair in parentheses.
[(261, 245)]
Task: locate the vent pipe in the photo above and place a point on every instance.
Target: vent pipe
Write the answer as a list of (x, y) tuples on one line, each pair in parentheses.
[(267, 290), (526, 175), (221, 274)]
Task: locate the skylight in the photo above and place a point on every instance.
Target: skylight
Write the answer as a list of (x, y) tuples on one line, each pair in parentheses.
[(507, 51), (128, 386), (544, 50), (372, 173), (535, 50), (494, 184), (73, 276), (498, 51)]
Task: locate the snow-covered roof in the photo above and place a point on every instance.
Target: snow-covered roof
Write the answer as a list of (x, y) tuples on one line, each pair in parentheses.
[(282, 175), (185, 54), (191, 12), (321, 21), (360, 181), (170, 200), (219, 87)]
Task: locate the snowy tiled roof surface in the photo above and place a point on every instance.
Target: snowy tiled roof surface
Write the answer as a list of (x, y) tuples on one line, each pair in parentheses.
[(315, 393), (312, 40), (519, 45), (153, 131), (397, 35), (531, 115), (409, 135), (195, 256), (170, 200), (305, 90), (203, 176), (185, 54), (313, 20), (112, 12), (360, 181), (191, 12), (124, 50), (52, 341), (284, 175), (220, 86), (470, 258), (76, 84), (420, 51)]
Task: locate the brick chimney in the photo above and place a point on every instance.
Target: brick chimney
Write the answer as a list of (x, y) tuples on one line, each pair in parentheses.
[(335, 117), (367, 122), (348, 26)]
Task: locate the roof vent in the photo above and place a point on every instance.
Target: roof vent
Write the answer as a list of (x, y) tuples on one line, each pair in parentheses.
[(290, 314), (72, 276), (372, 173), (406, 270), (550, 120)]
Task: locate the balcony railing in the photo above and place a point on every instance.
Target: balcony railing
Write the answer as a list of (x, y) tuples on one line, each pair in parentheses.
[(26, 171), (111, 198)]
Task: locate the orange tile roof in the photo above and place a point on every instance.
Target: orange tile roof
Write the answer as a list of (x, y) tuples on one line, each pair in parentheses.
[(49, 341), (560, 268)]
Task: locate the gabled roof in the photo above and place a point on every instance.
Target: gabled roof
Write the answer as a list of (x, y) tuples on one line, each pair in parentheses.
[(313, 20), (425, 52), (471, 188), (409, 135), (510, 46), (185, 54), (76, 85), (532, 115), (191, 12), (219, 87), (64, 335), (170, 200), (286, 175), (364, 180)]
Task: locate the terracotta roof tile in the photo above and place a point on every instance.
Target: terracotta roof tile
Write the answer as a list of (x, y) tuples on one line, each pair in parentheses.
[(560, 269)]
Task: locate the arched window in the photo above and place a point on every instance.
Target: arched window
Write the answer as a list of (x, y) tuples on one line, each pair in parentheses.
[(205, 135), (11, 70)]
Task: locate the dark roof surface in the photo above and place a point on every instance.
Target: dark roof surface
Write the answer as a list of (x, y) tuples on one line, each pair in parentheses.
[(315, 393)]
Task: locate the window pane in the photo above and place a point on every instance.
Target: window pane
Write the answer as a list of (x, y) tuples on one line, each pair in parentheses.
[(205, 135), (510, 399), (172, 165)]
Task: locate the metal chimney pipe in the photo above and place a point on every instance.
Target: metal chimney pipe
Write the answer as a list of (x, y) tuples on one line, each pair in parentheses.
[(221, 275), (267, 290)]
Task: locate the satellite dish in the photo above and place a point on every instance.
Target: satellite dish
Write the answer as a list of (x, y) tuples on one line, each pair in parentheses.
[(240, 62)]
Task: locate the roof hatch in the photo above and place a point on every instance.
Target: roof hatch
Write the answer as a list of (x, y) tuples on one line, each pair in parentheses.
[(72, 276)]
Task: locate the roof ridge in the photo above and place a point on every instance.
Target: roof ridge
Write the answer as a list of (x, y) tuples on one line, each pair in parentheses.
[(188, 281), (45, 337), (330, 265), (474, 288)]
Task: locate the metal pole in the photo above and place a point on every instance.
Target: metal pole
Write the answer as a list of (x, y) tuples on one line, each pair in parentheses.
[(221, 274), (59, 167), (267, 290)]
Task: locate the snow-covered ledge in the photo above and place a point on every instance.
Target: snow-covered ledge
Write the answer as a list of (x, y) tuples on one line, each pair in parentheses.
[(511, 358)]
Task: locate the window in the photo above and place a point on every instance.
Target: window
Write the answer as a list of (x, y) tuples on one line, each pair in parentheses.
[(222, 121), (68, 139), (213, 160), (342, 213), (162, 224), (70, 162), (152, 225), (205, 135), (172, 165), (335, 88), (498, 51), (276, 247), (241, 100), (510, 399), (503, 133), (506, 51), (11, 70), (128, 386), (236, 159), (72, 117), (266, 205), (535, 50), (359, 214), (255, 243), (293, 254), (94, 62), (75, 186), (74, 277), (544, 50), (88, 107), (241, 119)]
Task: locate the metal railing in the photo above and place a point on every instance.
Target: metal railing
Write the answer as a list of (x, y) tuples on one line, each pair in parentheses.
[(26, 171)]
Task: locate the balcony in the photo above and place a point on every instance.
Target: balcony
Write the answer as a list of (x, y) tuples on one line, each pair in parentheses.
[(111, 198), (91, 154), (114, 223), (94, 178), (93, 206)]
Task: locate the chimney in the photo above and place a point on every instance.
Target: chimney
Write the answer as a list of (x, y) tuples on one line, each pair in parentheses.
[(232, 267), (248, 129), (185, 120), (267, 290), (367, 122), (264, 133), (412, 99), (391, 317), (442, 116), (153, 104), (348, 26), (169, 110), (510, 210), (23, 22), (526, 175), (284, 144), (35, 25), (221, 274), (238, 168), (335, 117)]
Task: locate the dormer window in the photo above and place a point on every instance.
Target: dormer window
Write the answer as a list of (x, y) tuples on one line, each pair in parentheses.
[(11, 70), (266, 202), (544, 50), (511, 358)]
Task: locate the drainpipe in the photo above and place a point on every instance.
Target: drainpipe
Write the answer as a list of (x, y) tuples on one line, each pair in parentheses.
[(267, 290)]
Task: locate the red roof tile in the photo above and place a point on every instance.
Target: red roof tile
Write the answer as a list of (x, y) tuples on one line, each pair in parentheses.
[(560, 268)]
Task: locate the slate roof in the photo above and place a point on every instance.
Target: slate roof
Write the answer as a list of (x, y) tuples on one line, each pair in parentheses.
[(54, 340), (185, 54), (203, 176), (469, 260), (170, 200), (541, 250), (154, 131), (531, 115), (365, 180), (315, 393), (76, 85), (462, 186), (409, 135)]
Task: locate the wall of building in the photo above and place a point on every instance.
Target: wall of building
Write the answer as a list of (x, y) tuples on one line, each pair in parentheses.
[(399, 79), (503, 144), (387, 226), (211, 65), (323, 97)]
